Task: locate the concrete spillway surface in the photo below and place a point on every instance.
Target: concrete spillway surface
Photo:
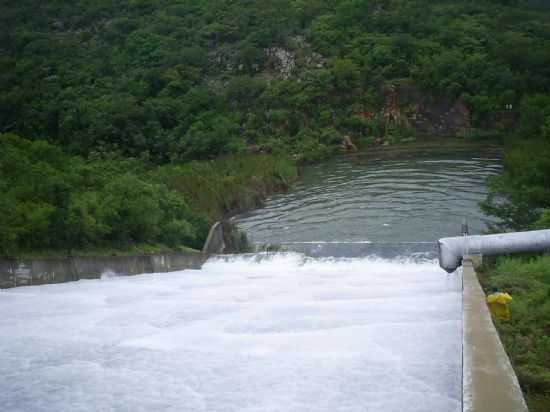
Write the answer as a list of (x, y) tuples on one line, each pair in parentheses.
[(276, 333)]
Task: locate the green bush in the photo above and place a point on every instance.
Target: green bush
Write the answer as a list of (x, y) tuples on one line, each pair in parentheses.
[(51, 200)]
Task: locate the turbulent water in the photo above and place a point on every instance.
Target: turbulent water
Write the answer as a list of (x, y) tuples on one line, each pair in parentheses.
[(418, 198), (254, 333), (270, 332)]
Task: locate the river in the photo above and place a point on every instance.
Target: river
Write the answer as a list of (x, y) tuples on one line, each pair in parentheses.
[(391, 197)]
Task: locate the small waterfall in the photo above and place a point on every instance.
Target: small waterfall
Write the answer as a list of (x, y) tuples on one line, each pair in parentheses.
[(262, 332), (418, 251)]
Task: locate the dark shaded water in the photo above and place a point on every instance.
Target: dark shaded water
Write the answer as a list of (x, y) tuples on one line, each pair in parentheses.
[(384, 198)]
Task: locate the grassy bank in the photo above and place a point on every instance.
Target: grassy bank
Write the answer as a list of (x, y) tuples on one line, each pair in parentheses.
[(226, 186), (526, 336)]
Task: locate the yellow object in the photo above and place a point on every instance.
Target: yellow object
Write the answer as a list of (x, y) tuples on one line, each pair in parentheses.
[(498, 305)]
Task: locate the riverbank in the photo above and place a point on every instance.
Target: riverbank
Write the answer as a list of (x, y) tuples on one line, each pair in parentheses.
[(95, 219), (526, 335), (54, 204), (428, 145)]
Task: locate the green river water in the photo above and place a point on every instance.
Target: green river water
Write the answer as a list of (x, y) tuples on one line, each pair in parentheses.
[(394, 197)]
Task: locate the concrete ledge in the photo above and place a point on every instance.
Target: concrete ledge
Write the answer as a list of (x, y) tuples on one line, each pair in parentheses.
[(177, 261), (94, 267), (489, 381), (26, 272)]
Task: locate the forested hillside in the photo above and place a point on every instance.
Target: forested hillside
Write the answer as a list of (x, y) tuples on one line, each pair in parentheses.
[(100, 101)]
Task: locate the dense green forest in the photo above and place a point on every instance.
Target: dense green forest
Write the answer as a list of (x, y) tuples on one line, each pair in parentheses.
[(115, 113)]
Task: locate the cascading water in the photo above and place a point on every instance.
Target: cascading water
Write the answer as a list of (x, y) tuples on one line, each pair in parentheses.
[(264, 332), (368, 324)]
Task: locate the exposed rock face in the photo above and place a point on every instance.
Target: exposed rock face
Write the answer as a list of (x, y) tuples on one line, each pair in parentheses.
[(459, 118), (297, 56), (501, 120), (391, 111), (285, 60), (410, 107), (347, 144)]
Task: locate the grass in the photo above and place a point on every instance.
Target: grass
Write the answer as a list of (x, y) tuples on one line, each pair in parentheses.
[(230, 185), (526, 336)]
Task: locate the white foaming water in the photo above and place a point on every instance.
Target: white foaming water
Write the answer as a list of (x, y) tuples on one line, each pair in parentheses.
[(280, 333), (108, 274)]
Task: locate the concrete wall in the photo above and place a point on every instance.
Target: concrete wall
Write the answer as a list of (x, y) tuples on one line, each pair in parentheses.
[(489, 381), (22, 272), (94, 267)]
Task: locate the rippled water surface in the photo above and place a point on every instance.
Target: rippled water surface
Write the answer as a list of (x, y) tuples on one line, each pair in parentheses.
[(405, 198)]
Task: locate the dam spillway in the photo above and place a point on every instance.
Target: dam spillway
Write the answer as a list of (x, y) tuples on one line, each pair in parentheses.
[(263, 332), (355, 316)]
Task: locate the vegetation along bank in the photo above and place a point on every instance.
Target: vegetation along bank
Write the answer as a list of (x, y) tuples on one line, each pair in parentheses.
[(135, 124)]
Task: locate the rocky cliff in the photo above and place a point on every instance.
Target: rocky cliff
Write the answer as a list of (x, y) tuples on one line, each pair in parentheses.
[(426, 114)]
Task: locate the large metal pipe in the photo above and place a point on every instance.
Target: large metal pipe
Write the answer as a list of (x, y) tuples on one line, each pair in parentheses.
[(453, 249)]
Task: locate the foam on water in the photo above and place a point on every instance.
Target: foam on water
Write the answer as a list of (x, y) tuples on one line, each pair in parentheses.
[(252, 333)]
